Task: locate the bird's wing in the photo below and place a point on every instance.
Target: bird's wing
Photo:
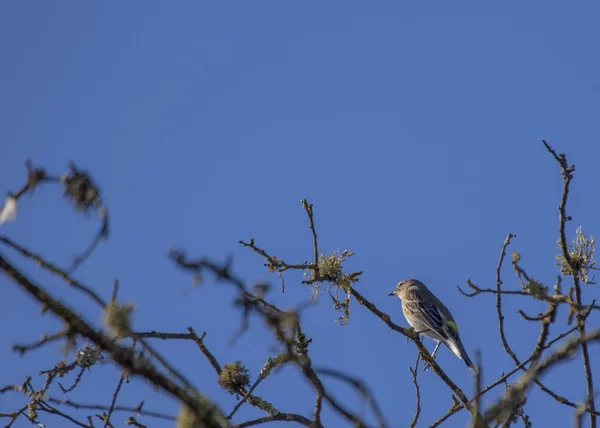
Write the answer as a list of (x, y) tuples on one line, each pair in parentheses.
[(432, 317)]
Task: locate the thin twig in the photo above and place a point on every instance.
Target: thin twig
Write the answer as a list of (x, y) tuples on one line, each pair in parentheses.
[(114, 400), (52, 268), (516, 393), (554, 298), (44, 340), (414, 372), (101, 234), (72, 387), (311, 223), (139, 409), (270, 364), (562, 400), (361, 387), (507, 347), (287, 417), (567, 173)]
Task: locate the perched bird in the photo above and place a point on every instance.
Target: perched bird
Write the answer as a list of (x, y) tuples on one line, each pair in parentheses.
[(429, 317)]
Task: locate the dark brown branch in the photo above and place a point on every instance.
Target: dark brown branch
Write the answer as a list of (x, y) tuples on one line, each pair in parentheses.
[(365, 391), (114, 400), (199, 340), (35, 177), (263, 374), (101, 234), (138, 409), (284, 417), (132, 421), (507, 347), (554, 298), (273, 263), (54, 270), (412, 335), (414, 372), (567, 174), (72, 387), (125, 357), (157, 335), (455, 408), (546, 320), (80, 190), (516, 394), (44, 340), (45, 407), (311, 223), (84, 194)]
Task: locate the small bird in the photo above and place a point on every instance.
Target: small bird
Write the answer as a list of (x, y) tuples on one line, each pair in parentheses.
[(428, 316)]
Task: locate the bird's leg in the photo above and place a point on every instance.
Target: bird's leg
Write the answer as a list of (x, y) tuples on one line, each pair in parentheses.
[(427, 365)]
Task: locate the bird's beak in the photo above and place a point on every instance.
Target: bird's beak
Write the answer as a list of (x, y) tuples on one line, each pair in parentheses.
[(392, 294)]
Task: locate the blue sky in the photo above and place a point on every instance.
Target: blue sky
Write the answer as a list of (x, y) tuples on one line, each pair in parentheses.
[(414, 128)]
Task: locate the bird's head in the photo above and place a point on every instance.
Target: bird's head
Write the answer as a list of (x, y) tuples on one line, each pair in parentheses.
[(403, 286)]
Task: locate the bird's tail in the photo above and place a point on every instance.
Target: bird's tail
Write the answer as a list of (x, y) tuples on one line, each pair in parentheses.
[(458, 349)]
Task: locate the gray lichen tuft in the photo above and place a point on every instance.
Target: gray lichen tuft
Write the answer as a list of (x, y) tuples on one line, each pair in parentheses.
[(88, 356)]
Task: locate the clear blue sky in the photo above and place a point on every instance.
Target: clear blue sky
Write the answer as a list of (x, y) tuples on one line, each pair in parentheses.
[(413, 127)]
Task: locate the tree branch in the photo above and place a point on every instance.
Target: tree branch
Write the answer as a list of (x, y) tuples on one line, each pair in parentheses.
[(125, 357)]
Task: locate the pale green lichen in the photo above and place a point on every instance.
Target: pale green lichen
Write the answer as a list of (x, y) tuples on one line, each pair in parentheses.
[(117, 318), (234, 378), (581, 253), (331, 270)]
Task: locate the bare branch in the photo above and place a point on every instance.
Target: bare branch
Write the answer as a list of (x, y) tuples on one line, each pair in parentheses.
[(114, 398), (507, 347), (125, 357), (365, 391), (285, 417), (54, 270), (44, 340), (516, 393), (413, 372), (309, 212), (567, 173)]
